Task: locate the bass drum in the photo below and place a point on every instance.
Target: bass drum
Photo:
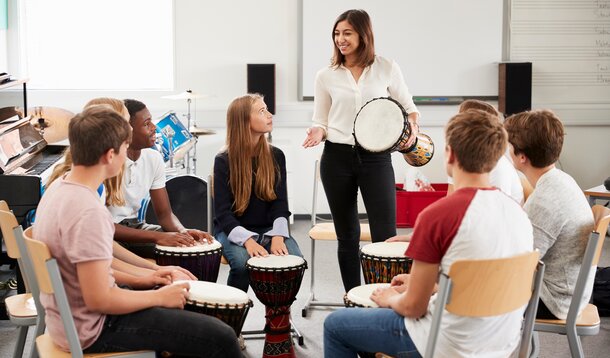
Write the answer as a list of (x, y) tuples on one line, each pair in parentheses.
[(188, 196)]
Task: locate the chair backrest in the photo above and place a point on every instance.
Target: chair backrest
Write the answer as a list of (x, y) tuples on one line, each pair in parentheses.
[(4, 206), (8, 222), (49, 281), (589, 261), (483, 288), (601, 215), (188, 199)]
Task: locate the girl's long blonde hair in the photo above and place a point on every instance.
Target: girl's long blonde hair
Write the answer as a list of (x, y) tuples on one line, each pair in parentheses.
[(114, 192), (246, 157)]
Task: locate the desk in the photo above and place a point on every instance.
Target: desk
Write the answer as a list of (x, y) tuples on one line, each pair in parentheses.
[(597, 193)]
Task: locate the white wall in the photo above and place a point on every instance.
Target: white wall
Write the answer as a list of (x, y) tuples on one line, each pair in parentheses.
[(215, 40)]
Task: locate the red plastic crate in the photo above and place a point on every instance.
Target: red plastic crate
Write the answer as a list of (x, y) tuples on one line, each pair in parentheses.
[(410, 203)]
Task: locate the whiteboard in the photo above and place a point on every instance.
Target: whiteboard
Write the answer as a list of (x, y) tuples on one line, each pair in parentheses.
[(443, 47)]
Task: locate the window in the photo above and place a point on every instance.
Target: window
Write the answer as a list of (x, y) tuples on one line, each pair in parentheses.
[(97, 45)]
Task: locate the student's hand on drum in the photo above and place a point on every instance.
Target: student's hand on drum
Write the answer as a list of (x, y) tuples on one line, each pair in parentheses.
[(400, 282), (399, 238), (315, 135), (173, 296), (179, 273), (381, 296), (200, 236), (278, 247), (254, 249), (175, 239)]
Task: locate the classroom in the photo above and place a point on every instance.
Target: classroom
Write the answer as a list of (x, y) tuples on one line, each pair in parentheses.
[(188, 60)]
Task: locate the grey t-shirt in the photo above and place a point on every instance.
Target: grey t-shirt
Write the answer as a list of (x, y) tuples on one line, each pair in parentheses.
[(562, 221)]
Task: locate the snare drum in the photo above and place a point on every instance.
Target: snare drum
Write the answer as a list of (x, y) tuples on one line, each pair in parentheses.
[(202, 260), (381, 126), (276, 281), (381, 261), (169, 126), (226, 303), (360, 296)]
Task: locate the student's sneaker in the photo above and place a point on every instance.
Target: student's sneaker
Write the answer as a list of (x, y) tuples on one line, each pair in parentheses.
[(242, 342)]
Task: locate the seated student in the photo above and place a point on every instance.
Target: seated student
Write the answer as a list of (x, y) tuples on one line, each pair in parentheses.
[(557, 207), (78, 230), (250, 197), (145, 174), (477, 221), (503, 176), (135, 271)]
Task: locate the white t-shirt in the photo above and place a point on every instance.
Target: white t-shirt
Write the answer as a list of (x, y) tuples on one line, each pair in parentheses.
[(338, 97), (145, 174), (505, 177), (470, 224)]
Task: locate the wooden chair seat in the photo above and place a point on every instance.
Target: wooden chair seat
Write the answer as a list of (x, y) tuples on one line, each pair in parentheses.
[(21, 306), (46, 345), (588, 317), (326, 231)]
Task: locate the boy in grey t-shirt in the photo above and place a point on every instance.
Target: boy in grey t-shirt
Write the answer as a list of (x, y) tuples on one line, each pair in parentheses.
[(558, 209)]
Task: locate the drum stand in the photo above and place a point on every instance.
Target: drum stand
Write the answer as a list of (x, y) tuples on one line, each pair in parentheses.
[(188, 154), (260, 334)]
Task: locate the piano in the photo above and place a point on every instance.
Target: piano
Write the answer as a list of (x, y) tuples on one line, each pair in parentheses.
[(26, 163)]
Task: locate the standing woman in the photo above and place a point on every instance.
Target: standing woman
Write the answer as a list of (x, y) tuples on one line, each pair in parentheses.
[(250, 197), (355, 76)]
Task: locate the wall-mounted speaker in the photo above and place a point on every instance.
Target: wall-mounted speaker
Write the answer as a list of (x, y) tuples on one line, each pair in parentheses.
[(515, 92), (261, 79)]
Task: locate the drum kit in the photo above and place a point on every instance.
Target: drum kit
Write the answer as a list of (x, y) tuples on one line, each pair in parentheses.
[(51, 122), (381, 126), (174, 141)]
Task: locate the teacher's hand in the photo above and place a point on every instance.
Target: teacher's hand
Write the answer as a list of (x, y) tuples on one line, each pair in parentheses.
[(315, 135), (413, 123)]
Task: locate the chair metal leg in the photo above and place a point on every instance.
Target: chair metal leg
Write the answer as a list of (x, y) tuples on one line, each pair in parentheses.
[(311, 300), (574, 342), (23, 333), (260, 334), (535, 348)]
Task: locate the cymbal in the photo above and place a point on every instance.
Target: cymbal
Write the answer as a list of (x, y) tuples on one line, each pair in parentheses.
[(186, 95), (197, 131), (54, 120)]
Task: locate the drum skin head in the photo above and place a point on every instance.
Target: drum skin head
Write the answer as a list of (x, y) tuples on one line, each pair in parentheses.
[(361, 295), (199, 247), (276, 261), (385, 249), (204, 292), (379, 125)]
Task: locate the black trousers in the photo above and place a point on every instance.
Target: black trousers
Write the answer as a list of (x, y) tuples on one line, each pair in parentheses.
[(344, 169)]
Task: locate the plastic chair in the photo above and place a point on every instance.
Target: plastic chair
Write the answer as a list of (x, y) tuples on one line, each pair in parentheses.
[(188, 198), (482, 288), (48, 277), (326, 232), (22, 309), (587, 323)]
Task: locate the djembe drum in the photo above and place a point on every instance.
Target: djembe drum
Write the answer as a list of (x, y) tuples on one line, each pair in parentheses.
[(276, 281), (381, 126), (229, 304), (381, 261), (202, 260), (360, 296)]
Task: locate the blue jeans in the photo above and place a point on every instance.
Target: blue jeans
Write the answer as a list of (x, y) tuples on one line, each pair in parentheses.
[(180, 332), (238, 256), (351, 330)]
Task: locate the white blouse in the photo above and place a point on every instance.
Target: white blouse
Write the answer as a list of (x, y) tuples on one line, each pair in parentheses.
[(338, 97)]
